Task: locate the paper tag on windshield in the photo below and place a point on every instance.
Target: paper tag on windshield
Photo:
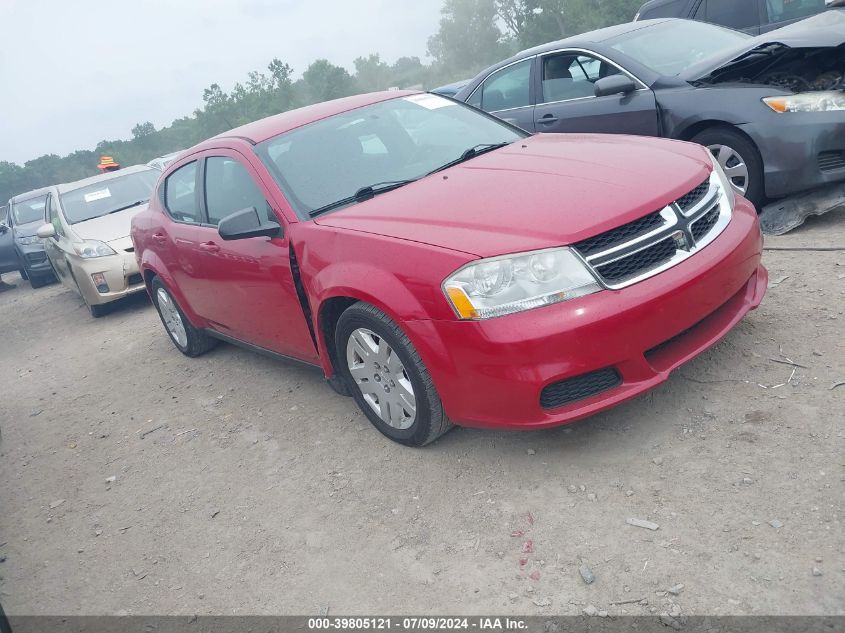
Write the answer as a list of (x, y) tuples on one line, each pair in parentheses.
[(97, 195), (430, 102)]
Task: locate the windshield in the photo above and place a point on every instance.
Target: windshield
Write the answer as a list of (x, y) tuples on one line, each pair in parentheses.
[(27, 211), (398, 140), (671, 47), (108, 196)]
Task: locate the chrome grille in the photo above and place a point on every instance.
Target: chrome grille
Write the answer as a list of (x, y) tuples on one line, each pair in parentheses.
[(632, 264), (703, 226), (695, 196), (620, 235), (645, 247)]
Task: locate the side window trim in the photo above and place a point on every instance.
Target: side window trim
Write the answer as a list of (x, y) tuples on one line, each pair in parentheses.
[(531, 96), (577, 51), (166, 184)]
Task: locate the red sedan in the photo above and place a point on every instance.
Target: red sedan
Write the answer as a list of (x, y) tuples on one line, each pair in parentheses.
[(441, 266)]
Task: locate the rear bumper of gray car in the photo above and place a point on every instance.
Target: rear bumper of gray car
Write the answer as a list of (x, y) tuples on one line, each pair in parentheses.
[(803, 151)]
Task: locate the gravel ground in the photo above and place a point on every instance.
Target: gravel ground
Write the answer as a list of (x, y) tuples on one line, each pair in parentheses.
[(138, 481)]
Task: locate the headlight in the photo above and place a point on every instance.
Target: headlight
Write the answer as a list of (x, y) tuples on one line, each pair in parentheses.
[(727, 187), (26, 241), (92, 248), (808, 102), (513, 283)]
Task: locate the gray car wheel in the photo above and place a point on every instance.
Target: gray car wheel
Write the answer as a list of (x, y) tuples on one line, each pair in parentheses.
[(739, 158)]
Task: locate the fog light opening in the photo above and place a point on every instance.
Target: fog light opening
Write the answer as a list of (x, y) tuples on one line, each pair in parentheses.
[(100, 283)]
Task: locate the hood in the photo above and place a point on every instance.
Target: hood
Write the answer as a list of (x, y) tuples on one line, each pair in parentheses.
[(547, 190), (108, 228), (825, 30)]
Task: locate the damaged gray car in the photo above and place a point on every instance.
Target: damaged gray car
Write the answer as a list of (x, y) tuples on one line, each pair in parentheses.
[(771, 108)]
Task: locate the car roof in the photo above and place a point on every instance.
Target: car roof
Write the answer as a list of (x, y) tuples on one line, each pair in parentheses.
[(590, 37), (269, 127), (134, 169), (35, 193)]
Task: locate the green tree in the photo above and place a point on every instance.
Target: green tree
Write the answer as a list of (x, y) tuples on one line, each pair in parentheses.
[(468, 38), (143, 129), (371, 73), (324, 81)]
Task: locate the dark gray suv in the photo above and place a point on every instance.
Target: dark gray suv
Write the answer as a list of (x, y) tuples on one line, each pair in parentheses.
[(751, 16), (26, 214)]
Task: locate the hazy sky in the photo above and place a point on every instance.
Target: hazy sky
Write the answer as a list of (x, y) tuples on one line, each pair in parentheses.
[(75, 72)]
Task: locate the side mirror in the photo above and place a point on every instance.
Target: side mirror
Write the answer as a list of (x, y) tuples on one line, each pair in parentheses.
[(614, 85), (46, 230), (244, 224)]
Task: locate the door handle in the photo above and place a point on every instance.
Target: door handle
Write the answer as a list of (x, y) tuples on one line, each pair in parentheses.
[(159, 238), (209, 247), (548, 119)]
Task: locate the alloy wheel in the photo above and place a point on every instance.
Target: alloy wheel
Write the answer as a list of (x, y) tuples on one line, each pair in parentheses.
[(171, 317), (733, 165), (380, 375)]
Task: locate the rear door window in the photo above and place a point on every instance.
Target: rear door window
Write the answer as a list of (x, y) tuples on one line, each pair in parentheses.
[(180, 195), (505, 89), (736, 14)]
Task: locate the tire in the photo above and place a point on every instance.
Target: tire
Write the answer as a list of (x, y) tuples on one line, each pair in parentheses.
[(98, 310), (189, 340), (735, 151), (22, 271), (361, 334)]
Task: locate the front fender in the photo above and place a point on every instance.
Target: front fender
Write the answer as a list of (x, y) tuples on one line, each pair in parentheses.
[(401, 278)]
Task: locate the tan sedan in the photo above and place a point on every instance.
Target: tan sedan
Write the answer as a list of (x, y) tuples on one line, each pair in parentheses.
[(87, 239)]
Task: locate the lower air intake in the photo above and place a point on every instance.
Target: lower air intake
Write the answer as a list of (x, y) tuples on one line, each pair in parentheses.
[(565, 392)]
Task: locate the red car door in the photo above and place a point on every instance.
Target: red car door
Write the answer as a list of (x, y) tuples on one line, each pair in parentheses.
[(176, 235), (247, 289)]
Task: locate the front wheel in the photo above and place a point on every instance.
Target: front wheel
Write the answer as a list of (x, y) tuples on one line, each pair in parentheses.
[(739, 159), (387, 377), (187, 339)]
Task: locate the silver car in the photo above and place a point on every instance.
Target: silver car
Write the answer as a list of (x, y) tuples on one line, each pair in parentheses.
[(87, 239)]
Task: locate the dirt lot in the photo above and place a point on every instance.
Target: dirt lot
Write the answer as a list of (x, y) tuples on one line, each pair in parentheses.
[(135, 480)]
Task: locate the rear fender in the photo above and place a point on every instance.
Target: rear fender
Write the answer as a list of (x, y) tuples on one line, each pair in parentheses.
[(150, 266)]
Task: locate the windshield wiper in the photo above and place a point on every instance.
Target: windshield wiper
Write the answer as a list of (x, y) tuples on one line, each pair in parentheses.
[(128, 206), (364, 193), (472, 152)]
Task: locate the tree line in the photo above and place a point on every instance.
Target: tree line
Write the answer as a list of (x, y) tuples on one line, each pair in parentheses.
[(472, 34)]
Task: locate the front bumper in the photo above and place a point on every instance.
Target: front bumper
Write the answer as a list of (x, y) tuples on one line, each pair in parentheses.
[(799, 150), (34, 259), (121, 274), (491, 373)]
